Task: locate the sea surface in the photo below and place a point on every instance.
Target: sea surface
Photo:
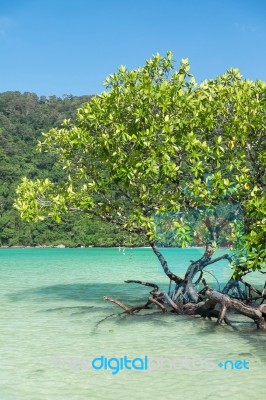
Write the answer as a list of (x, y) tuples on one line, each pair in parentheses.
[(51, 305)]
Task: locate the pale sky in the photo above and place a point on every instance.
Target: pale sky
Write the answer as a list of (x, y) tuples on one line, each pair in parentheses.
[(71, 46)]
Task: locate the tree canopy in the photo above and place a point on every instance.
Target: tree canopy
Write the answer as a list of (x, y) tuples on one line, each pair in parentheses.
[(23, 118), (156, 141)]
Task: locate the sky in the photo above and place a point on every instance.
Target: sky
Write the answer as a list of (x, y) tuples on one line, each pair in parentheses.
[(57, 47)]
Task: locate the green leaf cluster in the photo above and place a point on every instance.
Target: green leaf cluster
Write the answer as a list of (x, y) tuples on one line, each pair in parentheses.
[(157, 141), (23, 118)]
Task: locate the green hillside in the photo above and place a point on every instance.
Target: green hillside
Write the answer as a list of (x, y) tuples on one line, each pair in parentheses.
[(23, 118)]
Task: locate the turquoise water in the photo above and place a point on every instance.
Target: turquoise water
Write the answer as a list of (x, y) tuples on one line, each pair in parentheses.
[(52, 299)]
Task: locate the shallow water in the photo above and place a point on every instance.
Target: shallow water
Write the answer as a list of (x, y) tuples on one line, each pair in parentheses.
[(52, 300)]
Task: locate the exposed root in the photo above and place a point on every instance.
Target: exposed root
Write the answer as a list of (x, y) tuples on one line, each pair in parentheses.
[(205, 307), (119, 303)]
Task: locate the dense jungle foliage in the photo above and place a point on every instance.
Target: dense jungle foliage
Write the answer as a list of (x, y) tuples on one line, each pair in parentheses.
[(23, 118)]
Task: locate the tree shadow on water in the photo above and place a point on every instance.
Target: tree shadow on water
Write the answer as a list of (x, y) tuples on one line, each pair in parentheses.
[(83, 292)]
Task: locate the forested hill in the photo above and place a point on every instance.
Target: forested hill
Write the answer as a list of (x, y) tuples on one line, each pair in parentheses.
[(23, 118)]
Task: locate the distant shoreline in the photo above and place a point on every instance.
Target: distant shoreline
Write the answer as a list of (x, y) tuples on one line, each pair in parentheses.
[(62, 246)]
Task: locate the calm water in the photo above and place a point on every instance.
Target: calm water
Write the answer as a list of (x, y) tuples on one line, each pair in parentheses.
[(51, 301)]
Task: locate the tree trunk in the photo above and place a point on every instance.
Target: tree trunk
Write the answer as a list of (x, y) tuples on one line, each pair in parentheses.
[(186, 300)]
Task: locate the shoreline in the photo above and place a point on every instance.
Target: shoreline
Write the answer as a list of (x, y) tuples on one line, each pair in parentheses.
[(62, 246)]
